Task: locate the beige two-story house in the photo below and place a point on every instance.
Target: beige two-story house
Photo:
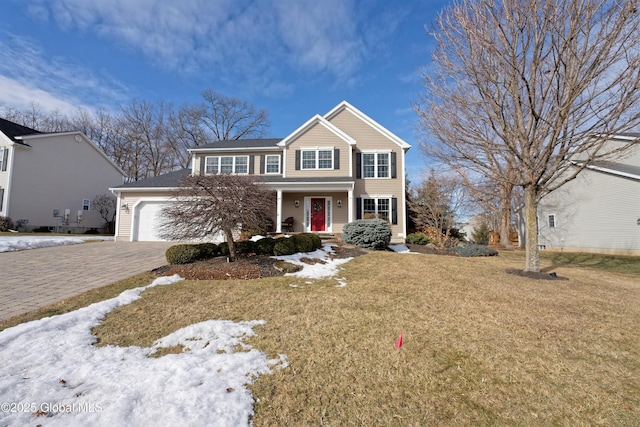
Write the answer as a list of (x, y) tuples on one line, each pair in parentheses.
[(330, 171), (48, 180)]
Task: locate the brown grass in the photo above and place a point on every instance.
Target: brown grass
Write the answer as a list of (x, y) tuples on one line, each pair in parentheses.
[(481, 347)]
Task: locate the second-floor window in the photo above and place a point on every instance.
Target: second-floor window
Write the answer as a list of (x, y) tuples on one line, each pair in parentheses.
[(376, 165), (227, 164), (317, 159), (3, 158), (86, 204), (272, 164)]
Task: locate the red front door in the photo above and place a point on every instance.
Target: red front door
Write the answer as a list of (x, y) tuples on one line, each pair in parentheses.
[(318, 215)]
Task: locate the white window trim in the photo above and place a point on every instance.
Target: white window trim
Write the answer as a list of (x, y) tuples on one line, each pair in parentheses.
[(328, 212), (266, 164), (2, 156), (88, 204), (317, 157), (233, 165), (555, 221), (376, 198), (375, 164)]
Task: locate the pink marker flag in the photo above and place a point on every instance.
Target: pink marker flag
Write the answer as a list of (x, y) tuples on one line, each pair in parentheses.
[(399, 342)]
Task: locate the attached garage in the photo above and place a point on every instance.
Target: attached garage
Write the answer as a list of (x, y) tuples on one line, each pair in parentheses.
[(147, 217)]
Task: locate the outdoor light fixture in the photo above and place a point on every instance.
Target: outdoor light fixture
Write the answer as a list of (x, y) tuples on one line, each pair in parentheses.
[(339, 203), (125, 206), (297, 203)]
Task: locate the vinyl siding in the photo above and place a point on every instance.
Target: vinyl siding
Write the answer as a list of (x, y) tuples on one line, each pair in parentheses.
[(320, 137), (594, 212), (123, 232), (369, 139), (58, 173)]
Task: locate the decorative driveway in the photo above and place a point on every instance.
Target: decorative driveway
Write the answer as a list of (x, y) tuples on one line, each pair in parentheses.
[(34, 278)]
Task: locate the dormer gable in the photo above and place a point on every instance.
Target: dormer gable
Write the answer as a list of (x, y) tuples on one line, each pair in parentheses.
[(316, 120), (345, 106)]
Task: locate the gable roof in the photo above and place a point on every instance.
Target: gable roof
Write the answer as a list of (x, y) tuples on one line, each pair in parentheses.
[(614, 168), (13, 130), (241, 144), (314, 121), (167, 180), (344, 105)]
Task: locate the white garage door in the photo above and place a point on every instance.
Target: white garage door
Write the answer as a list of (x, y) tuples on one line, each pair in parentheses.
[(147, 221)]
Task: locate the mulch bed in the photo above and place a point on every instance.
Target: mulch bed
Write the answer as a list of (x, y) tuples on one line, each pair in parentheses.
[(244, 267), (536, 276)]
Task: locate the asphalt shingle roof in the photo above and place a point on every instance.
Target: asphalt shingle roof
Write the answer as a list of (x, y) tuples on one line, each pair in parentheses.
[(167, 180), (12, 130), (242, 143)]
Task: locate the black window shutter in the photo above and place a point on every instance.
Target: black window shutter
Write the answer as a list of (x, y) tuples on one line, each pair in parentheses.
[(358, 165), (297, 160), (358, 207), (394, 173), (252, 165), (394, 211), (262, 167), (5, 156), (202, 161), (1, 197), (336, 158)]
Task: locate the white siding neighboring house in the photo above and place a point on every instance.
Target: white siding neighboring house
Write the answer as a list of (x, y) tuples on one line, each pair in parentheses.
[(331, 170), (46, 173), (599, 211)]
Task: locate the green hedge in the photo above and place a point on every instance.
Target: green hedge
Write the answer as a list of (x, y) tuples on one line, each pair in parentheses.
[(284, 246), (475, 250), (418, 239), (188, 253)]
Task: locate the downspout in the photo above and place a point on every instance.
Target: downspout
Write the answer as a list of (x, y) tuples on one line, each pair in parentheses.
[(12, 153)]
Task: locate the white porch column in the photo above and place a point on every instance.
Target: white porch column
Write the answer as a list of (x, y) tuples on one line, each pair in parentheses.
[(279, 212), (350, 205)]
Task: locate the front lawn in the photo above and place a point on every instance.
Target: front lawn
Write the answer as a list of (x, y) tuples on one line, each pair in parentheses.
[(481, 347)]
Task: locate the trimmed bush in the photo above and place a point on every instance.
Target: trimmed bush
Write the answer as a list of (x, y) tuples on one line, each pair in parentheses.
[(245, 247), (208, 250), (475, 250), (284, 246), (307, 242), (182, 254), (265, 246), (418, 239), (367, 233), (6, 223), (223, 248)]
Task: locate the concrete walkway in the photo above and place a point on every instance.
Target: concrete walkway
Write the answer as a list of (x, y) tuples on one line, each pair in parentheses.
[(34, 278)]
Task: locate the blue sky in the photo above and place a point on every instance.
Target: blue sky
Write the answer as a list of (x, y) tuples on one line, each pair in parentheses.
[(293, 58)]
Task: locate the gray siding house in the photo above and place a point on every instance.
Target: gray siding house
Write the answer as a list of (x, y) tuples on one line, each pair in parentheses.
[(599, 211), (49, 179)]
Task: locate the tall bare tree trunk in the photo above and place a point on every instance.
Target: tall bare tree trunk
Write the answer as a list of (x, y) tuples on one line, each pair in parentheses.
[(232, 244), (532, 253), (505, 214)]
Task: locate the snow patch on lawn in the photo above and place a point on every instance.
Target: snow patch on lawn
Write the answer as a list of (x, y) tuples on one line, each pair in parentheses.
[(55, 376), (326, 267), (17, 243)]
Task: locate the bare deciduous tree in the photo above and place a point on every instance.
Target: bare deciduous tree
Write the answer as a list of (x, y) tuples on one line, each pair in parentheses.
[(105, 205), (207, 204), (228, 117), (437, 203), (518, 88)]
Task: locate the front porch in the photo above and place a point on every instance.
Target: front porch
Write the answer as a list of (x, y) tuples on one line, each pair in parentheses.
[(318, 207)]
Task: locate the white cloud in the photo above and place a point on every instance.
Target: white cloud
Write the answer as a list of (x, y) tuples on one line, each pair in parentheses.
[(26, 76), (234, 37)]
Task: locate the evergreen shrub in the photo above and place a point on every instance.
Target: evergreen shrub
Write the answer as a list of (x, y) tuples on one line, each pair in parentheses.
[(367, 233)]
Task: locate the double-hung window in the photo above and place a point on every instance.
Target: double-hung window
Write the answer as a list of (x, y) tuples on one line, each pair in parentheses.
[(376, 208), (321, 158), (376, 165), (552, 221), (86, 204), (272, 163), (227, 164)]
